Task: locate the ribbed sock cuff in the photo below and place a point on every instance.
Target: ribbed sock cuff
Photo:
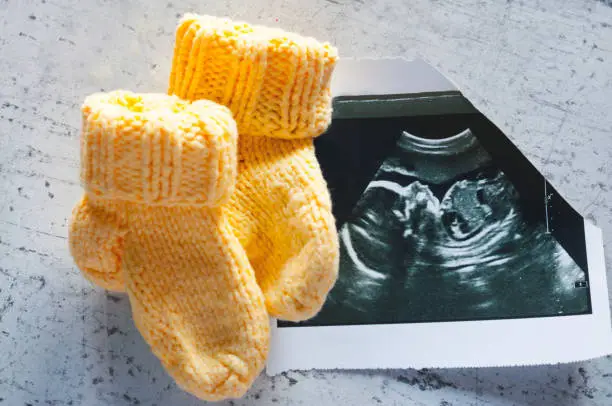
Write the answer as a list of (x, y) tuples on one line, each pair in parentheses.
[(157, 149), (276, 83)]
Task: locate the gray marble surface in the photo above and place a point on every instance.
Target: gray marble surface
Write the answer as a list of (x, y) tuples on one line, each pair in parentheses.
[(542, 70)]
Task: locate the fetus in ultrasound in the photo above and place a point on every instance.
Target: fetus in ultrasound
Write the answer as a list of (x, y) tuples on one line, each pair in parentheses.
[(440, 233)]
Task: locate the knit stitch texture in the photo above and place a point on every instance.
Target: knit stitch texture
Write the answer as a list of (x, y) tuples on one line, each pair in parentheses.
[(277, 85), (158, 172)]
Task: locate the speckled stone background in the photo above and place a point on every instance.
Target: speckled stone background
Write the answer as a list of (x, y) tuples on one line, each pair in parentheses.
[(541, 69)]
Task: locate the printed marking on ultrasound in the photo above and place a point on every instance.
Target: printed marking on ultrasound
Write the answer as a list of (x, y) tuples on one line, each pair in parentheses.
[(546, 199)]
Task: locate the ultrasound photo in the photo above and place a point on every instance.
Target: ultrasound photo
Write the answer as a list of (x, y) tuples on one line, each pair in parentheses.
[(435, 227), (455, 251)]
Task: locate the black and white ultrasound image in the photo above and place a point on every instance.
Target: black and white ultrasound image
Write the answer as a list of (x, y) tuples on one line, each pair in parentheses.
[(440, 232)]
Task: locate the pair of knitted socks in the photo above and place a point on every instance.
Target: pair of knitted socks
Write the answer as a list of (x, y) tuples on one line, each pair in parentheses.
[(207, 205)]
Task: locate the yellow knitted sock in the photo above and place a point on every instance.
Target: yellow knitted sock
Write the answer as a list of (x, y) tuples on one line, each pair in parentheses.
[(277, 86), (96, 234), (157, 173)]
